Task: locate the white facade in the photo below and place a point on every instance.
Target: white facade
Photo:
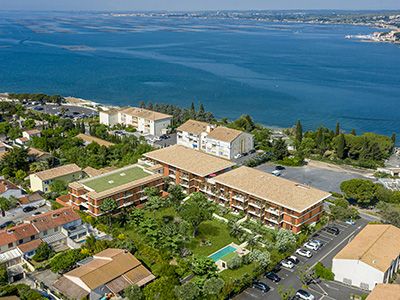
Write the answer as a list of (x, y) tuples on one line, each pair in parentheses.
[(190, 140), (144, 125), (243, 143), (360, 274)]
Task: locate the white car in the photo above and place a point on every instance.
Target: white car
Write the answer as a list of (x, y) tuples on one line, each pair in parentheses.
[(239, 155), (350, 222), (303, 252), (319, 243), (302, 294), (312, 246), (276, 172), (287, 264)]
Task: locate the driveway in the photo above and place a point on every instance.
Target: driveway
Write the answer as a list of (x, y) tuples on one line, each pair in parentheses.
[(328, 180), (324, 290)]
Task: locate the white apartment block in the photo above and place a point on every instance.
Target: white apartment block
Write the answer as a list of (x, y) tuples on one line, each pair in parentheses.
[(219, 141), (371, 258), (145, 121)]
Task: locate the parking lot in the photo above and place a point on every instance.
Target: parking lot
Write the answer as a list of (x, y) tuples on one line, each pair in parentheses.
[(17, 215), (71, 111), (332, 290), (321, 178)]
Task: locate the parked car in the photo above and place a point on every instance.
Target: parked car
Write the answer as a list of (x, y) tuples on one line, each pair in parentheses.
[(302, 294), (239, 155), (36, 213), (280, 168), (6, 224), (277, 268), (332, 230), (28, 209), (293, 259), (252, 151), (261, 286), (276, 173), (318, 242), (312, 246), (287, 264), (303, 252), (272, 276), (350, 222)]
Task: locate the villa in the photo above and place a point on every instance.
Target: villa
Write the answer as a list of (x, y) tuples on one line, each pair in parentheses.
[(88, 139)]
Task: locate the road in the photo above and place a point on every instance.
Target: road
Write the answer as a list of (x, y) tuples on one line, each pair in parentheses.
[(17, 215), (323, 290)]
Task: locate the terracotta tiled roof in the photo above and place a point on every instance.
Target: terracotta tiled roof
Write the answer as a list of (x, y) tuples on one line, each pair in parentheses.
[(385, 292), (224, 134), (30, 246), (36, 152), (145, 113), (6, 185), (193, 126), (189, 160), (58, 172), (90, 139), (268, 187), (53, 219), (32, 131), (376, 245), (17, 233), (26, 199)]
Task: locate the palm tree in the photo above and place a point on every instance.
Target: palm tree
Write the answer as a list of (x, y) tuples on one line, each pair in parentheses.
[(253, 240), (108, 206), (39, 166)]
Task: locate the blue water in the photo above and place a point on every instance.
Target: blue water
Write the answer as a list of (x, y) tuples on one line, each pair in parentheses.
[(277, 73), (221, 253)]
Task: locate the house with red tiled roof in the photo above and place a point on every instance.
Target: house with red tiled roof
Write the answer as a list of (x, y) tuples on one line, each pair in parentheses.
[(8, 189), (29, 134), (12, 237)]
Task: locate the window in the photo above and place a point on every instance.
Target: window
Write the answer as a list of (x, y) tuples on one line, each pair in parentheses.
[(56, 229), (10, 245), (32, 237), (45, 232), (20, 242), (347, 281), (364, 286)]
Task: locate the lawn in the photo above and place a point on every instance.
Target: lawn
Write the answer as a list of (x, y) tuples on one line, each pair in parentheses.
[(229, 275), (115, 179), (214, 231)]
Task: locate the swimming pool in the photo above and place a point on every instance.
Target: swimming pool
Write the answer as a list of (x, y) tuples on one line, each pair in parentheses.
[(222, 252)]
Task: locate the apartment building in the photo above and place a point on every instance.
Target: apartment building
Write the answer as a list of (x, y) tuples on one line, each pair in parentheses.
[(104, 275), (187, 167), (274, 201), (145, 121), (372, 257), (29, 134), (277, 202), (41, 181), (219, 141), (124, 185)]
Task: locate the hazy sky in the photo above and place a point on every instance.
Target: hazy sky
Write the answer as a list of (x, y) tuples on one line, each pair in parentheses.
[(195, 4)]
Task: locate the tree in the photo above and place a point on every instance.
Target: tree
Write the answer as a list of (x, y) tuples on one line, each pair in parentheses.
[(58, 187), (202, 265), (176, 194), (3, 274), (389, 214), (340, 147), (353, 132), (286, 293), (337, 130), (162, 288), (39, 166), (196, 210), (43, 252), (393, 138), (263, 258), (322, 272), (285, 240), (361, 190), (212, 287), (133, 292), (108, 206), (151, 191), (299, 133), (4, 206), (279, 149), (187, 291), (235, 262), (14, 160)]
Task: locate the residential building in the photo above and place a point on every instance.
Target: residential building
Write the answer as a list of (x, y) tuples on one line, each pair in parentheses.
[(187, 167), (219, 141), (58, 228), (88, 139), (372, 257), (13, 260), (29, 134), (124, 185), (41, 181), (21, 141), (37, 155), (145, 121), (274, 201), (106, 274), (8, 189), (34, 199), (385, 292)]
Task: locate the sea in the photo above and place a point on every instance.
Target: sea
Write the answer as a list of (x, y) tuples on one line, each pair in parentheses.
[(276, 72)]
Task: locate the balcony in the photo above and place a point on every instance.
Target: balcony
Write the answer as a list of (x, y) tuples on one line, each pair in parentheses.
[(255, 213), (273, 220), (237, 206), (239, 198), (256, 205), (274, 211), (223, 197)]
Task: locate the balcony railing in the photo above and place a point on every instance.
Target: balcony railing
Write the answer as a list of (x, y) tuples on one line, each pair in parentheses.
[(239, 197), (274, 211), (255, 213), (257, 205), (237, 206)]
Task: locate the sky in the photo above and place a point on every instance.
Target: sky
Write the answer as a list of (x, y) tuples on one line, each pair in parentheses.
[(179, 5)]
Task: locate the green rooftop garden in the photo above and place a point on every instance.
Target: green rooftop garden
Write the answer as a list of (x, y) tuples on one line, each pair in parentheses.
[(116, 179)]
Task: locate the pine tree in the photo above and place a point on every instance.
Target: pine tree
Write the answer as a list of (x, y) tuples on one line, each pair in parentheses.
[(192, 111), (393, 138), (353, 132), (142, 104), (299, 132), (150, 106), (201, 113), (337, 131), (340, 147)]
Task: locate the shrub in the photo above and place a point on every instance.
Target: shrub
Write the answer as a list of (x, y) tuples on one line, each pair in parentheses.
[(235, 262), (322, 272), (43, 252)]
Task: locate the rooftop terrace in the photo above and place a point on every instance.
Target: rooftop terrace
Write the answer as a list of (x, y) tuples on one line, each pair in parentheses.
[(115, 179)]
